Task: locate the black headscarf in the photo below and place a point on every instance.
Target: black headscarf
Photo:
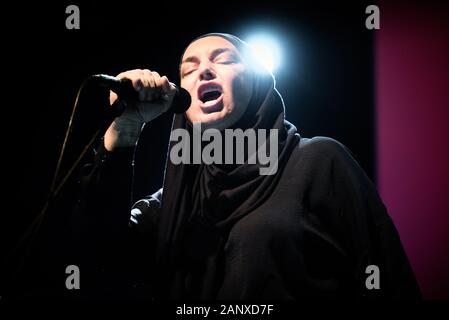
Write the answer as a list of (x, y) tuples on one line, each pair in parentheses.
[(201, 203)]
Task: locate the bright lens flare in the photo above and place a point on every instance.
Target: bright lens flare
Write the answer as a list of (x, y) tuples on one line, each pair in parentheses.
[(266, 51)]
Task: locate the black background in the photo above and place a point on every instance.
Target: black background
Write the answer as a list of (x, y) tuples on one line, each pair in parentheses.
[(326, 79)]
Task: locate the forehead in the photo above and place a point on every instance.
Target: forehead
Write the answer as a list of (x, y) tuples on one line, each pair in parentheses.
[(207, 45)]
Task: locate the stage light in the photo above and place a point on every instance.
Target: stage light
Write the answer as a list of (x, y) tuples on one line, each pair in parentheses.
[(266, 50)]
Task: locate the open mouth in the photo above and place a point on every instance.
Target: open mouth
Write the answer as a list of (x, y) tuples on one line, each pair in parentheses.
[(211, 96)]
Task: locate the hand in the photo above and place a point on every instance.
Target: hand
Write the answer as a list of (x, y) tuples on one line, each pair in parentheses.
[(156, 95)]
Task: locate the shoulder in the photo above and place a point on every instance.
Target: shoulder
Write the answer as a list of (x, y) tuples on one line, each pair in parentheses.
[(323, 148), (323, 157)]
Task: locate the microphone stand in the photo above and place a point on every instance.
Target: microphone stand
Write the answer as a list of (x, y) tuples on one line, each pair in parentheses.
[(114, 111)]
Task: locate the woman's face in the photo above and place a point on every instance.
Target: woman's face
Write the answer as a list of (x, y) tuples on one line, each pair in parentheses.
[(213, 72)]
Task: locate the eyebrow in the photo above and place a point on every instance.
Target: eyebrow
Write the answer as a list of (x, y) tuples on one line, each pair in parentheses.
[(212, 55)]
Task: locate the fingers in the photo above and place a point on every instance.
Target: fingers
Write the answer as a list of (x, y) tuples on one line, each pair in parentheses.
[(168, 88), (165, 84), (134, 76), (151, 89), (149, 84)]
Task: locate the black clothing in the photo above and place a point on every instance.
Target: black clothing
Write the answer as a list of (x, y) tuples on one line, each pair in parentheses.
[(314, 235), (227, 232)]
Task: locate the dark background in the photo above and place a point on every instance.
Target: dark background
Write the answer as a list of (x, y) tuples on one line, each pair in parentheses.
[(326, 78)]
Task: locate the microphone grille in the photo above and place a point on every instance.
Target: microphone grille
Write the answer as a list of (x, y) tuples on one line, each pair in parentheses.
[(181, 101)]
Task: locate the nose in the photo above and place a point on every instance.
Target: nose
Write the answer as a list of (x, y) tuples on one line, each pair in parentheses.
[(206, 73)]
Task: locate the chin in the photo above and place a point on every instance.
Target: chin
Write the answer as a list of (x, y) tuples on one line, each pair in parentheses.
[(219, 122)]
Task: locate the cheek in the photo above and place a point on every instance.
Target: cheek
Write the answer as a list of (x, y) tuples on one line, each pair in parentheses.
[(241, 90), (189, 86)]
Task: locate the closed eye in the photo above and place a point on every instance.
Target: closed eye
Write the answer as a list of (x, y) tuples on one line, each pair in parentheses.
[(227, 58), (186, 73), (226, 62)]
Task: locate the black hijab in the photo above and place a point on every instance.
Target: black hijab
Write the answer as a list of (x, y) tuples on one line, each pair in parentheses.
[(201, 203)]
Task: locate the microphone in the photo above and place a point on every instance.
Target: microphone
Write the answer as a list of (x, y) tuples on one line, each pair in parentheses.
[(125, 90)]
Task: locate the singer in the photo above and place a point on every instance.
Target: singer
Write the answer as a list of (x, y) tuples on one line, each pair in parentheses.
[(224, 231)]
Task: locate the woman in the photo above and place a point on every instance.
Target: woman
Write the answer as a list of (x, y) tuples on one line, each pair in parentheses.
[(224, 231)]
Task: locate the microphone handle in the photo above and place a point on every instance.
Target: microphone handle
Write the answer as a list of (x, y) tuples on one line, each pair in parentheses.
[(125, 90), (128, 95)]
